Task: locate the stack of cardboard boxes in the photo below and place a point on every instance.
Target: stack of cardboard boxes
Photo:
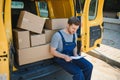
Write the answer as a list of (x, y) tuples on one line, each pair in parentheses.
[(31, 40)]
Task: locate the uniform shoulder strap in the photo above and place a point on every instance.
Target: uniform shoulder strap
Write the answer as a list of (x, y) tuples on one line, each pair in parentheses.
[(61, 36), (74, 38)]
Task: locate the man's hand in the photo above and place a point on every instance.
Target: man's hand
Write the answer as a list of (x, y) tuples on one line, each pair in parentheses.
[(67, 58)]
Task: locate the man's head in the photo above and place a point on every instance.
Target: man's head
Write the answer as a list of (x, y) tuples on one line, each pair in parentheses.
[(73, 25)]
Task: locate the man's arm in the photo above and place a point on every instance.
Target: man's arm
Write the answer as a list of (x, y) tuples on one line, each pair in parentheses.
[(56, 53), (60, 55)]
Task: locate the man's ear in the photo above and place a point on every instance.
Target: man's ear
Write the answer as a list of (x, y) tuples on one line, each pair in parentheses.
[(68, 25)]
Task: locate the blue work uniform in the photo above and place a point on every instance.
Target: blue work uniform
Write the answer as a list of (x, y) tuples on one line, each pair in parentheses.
[(81, 69)]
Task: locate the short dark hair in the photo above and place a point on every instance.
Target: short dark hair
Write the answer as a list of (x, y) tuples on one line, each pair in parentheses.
[(73, 20)]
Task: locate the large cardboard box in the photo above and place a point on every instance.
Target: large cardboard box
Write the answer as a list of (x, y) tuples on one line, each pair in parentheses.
[(30, 22), (37, 39), (53, 24), (49, 34), (33, 54), (21, 38)]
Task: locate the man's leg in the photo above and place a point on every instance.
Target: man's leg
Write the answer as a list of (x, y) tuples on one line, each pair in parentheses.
[(71, 68), (86, 67)]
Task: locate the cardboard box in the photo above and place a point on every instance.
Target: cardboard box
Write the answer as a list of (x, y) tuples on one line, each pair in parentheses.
[(21, 38), (33, 54), (53, 24), (49, 34), (30, 22), (37, 39)]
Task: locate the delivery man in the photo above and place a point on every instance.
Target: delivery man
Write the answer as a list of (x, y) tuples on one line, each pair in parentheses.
[(63, 46)]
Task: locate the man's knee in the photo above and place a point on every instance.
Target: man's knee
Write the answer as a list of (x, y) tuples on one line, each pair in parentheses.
[(90, 66)]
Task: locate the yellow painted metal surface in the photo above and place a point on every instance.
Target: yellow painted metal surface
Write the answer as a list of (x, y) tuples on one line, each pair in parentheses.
[(7, 20), (37, 9), (4, 51), (60, 8), (98, 21), (86, 24)]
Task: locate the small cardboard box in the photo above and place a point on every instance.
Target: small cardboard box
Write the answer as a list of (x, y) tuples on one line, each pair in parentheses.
[(49, 34), (37, 39), (21, 38), (53, 24), (30, 22), (34, 54)]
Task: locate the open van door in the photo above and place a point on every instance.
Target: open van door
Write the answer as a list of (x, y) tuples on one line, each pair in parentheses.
[(91, 24), (4, 47)]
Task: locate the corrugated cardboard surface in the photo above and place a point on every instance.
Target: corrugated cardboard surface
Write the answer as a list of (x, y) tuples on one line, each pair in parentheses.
[(33, 54), (53, 24), (37, 39), (30, 22), (21, 39), (49, 34)]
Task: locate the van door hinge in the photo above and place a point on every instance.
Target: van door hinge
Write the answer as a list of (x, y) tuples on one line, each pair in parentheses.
[(3, 56)]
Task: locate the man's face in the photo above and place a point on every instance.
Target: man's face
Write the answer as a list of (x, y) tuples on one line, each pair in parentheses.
[(72, 28)]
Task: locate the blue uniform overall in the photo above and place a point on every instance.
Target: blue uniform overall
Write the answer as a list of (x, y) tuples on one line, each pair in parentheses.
[(81, 69)]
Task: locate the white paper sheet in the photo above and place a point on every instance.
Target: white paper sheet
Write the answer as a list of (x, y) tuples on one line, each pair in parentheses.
[(76, 57)]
